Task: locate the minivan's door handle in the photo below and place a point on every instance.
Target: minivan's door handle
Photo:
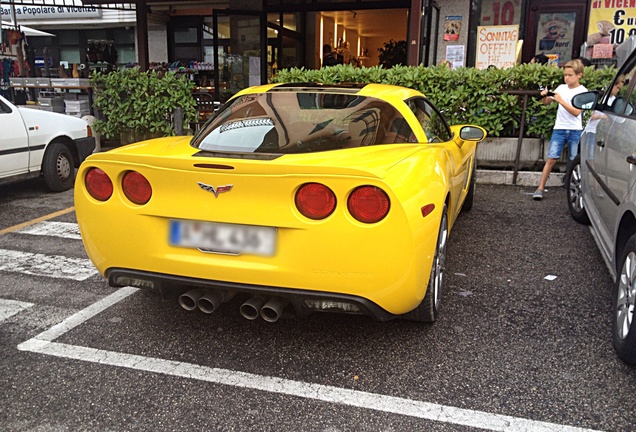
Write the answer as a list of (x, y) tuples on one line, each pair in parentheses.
[(600, 143), (631, 160)]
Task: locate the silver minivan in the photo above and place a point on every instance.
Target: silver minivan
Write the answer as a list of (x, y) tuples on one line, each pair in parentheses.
[(601, 192)]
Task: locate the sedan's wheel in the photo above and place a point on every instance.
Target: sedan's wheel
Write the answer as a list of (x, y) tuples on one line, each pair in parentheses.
[(428, 310), (57, 167), (623, 327), (575, 194)]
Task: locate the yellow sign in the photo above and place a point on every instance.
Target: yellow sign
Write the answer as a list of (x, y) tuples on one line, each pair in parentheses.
[(611, 22)]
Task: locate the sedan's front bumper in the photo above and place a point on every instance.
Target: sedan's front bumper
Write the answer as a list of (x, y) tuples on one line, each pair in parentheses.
[(84, 147)]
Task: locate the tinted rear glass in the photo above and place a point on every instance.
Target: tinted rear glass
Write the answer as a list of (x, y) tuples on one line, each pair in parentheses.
[(303, 122)]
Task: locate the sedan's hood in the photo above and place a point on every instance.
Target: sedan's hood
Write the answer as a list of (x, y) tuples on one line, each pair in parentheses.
[(176, 153), (50, 121)]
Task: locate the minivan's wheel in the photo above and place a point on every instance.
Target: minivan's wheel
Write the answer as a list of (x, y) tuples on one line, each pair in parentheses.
[(623, 326), (470, 196), (58, 168), (428, 310), (575, 194)]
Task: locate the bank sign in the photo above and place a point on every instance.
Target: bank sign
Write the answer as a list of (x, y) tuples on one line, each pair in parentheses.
[(36, 12)]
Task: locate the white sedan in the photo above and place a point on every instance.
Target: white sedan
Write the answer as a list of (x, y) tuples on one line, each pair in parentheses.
[(40, 143)]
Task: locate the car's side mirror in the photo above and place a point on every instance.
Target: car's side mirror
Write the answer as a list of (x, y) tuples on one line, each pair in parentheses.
[(585, 101), (472, 133)]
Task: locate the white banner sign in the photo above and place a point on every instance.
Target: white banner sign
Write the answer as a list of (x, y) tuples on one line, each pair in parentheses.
[(50, 12), (497, 46)]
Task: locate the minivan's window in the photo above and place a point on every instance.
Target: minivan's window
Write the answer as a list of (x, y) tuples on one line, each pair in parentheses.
[(303, 122)]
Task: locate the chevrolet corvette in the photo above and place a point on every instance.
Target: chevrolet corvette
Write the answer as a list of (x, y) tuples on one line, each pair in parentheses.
[(306, 197)]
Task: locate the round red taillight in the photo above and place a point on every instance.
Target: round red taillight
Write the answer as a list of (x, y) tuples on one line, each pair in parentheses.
[(136, 187), (315, 201), (368, 204), (98, 184)]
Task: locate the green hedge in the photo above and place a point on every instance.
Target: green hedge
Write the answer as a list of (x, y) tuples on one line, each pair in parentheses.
[(143, 102), (467, 95)]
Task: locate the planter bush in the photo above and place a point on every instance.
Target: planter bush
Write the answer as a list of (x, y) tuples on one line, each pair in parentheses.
[(468, 95), (141, 103)]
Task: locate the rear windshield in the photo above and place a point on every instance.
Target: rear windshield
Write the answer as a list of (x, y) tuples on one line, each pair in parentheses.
[(303, 122)]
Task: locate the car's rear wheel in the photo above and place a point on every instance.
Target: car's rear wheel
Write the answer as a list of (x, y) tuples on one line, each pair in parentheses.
[(623, 326), (58, 168), (575, 194), (428, 310)]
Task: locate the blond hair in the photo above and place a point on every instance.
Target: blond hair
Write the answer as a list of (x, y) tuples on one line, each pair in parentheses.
[(576, 65)]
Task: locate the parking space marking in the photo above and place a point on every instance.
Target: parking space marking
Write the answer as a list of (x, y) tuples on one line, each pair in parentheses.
[(40, 219), (67, 230), (8, 308), (43, 344), (54, 266)]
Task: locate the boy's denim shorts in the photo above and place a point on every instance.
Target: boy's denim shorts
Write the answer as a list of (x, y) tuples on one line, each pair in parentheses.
[(558, 140)]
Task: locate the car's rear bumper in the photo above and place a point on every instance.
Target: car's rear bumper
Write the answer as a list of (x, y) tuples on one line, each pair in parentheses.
[(84, 146), (172, 286)]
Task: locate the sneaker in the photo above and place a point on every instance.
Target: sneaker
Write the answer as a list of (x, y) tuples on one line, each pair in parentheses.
[(537, 195)]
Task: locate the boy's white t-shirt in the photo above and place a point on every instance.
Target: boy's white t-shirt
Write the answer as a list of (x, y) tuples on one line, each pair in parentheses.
[(565, 120)]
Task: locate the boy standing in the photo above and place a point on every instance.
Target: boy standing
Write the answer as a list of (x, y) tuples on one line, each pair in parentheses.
[(568, 125)]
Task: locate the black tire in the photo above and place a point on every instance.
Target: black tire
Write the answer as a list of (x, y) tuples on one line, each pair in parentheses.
[(470, 196), (58, 168), (623, 323), (428, 310), (574, 192)]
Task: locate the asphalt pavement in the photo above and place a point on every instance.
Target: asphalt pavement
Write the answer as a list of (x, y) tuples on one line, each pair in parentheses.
[(523, 342)]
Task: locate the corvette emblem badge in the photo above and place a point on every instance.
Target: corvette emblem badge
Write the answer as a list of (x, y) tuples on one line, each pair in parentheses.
[(215, 190)]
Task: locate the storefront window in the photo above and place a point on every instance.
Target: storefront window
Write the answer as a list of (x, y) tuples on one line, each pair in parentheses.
[(126, 55), (186, 35), (70, 56)]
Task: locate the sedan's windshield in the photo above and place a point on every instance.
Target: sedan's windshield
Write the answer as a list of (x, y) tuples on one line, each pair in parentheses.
[(303, 122)]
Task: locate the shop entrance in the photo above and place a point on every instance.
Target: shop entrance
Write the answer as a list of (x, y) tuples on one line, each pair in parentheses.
[(555, 29), (239, 41)]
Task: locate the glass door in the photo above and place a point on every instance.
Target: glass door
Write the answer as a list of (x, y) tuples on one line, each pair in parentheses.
[(430, 33), (285, 41), (239, 43)]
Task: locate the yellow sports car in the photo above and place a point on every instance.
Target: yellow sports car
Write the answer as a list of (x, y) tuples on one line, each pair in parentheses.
[(306, 196)]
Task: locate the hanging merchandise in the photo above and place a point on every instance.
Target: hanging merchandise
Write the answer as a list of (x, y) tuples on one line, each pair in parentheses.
[(111, 53), (91, 52)]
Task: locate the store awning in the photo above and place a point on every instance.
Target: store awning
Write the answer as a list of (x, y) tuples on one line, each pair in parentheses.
[(28, 31)]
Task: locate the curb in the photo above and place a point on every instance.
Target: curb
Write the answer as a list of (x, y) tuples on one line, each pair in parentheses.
[(524, 178)]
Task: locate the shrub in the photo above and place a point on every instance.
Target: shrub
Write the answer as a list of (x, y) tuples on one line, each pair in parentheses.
[(468, 95), (141, 101)]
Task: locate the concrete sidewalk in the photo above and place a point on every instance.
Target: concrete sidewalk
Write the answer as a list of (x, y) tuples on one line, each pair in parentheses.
[(524, 178)]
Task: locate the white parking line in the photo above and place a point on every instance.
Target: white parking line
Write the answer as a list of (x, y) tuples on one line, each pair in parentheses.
[(8, 308), (54, 266), (43, 344), (66, 230)]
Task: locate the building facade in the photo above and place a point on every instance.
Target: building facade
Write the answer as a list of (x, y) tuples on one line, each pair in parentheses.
[(226, 46)]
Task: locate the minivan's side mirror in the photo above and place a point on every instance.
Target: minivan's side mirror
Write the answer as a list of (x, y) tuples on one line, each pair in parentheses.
[(585, 101)]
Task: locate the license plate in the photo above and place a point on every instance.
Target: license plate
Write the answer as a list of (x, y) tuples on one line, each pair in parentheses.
[(223, 238)]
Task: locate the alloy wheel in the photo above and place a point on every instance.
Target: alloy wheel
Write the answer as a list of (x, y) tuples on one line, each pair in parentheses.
[(576, 196), (626, 296)]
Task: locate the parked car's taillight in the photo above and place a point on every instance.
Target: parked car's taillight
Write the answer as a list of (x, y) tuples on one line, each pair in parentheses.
[(315, 201), (368, 204), (98, 184), (136, 187)]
